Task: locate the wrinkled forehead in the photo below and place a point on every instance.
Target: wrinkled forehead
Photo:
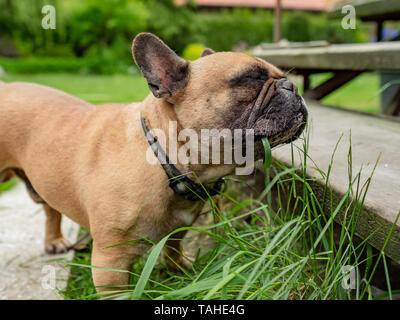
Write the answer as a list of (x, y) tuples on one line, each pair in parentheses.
[(225, 65)]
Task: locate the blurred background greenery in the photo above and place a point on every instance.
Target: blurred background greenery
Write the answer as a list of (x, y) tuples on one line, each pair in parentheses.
[(89, 52), (95, 36)]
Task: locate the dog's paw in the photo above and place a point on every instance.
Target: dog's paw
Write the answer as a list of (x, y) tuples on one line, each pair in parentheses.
[(57, 246)]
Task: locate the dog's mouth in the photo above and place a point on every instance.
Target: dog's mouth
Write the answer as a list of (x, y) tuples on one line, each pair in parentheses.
[(279, 114)]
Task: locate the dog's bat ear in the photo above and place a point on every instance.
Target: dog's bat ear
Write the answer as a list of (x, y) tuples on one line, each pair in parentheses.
[(164, 71), (207, 52)]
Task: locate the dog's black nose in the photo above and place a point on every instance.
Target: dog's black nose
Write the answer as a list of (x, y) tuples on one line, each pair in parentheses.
[(286, 84)]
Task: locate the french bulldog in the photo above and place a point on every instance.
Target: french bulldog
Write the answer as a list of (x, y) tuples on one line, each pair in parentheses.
[(91, 162)]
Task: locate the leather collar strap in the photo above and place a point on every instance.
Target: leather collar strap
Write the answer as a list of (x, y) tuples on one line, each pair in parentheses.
[(178, 181)]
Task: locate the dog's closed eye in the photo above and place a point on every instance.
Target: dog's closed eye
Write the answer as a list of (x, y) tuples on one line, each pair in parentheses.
[(256, 75), (253, 77)]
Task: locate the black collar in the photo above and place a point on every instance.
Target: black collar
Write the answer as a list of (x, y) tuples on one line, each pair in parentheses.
[(178, 181)]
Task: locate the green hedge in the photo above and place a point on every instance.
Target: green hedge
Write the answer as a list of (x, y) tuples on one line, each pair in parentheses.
[(91, 64), (42, 64), (224, 30), (228, 28)]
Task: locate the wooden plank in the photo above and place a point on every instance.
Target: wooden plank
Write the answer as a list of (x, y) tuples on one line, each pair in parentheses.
[(287, 44), (370, 137), (390, 97), (393, 108), (358, 57), (277, 21)]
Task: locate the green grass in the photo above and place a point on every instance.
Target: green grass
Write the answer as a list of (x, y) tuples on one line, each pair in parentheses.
[(8, 185), (93, 88)]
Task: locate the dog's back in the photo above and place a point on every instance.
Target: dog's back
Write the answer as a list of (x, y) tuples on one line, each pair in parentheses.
[(28, 109)]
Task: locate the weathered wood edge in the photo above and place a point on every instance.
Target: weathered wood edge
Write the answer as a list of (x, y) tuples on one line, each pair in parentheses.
[(359, 57)]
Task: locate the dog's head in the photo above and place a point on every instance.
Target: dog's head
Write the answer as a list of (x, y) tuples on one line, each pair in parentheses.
[(223, 90)]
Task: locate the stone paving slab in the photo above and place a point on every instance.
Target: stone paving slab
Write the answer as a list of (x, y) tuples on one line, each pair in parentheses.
[(26, 272)]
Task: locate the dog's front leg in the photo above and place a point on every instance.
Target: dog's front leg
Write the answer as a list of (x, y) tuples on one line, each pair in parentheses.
[(120, 257)]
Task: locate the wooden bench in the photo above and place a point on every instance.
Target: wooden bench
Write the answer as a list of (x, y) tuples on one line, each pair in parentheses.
[(346, 61), (371, 136)]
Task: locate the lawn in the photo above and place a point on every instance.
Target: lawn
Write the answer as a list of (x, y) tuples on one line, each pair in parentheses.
[(96, 89), (362, 93)]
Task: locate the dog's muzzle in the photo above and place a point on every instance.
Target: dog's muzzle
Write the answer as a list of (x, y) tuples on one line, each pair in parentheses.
[(279, 113)]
